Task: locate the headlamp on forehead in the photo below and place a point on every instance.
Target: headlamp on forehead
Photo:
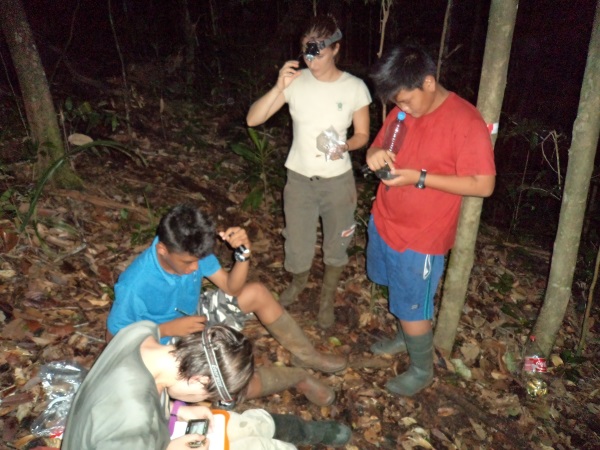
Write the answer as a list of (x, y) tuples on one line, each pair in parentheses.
[(314, 48)]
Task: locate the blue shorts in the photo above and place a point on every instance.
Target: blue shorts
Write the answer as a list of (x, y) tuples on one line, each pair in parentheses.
[(412, 278)]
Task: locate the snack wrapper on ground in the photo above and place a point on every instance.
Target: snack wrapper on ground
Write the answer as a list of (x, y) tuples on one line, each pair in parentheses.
[(60, 380), (329, 143)]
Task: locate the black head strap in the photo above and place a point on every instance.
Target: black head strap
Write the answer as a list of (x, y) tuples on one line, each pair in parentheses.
[(214, 369)]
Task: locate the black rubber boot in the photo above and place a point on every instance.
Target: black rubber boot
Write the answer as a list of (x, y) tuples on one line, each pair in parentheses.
[(293, 429)]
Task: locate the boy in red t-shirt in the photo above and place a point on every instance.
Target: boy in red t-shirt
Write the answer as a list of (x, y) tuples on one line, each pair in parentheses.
[(446, 154)]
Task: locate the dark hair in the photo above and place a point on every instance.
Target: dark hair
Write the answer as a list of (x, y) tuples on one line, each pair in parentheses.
[(234, 357), (403, 67), (321, 26), (185, 229)]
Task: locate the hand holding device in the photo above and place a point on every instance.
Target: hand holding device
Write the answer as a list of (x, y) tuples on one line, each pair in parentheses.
[(197, 426)]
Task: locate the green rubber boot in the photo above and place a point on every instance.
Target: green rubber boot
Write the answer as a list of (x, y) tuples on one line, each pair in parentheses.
[(392, 346), (331, 277), (291, 293), (420, 372), (293, 429)]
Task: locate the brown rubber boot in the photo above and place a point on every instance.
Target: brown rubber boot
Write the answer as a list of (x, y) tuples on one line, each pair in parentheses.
[(326, 316), (270, 380), (287, 332), (291, 293)]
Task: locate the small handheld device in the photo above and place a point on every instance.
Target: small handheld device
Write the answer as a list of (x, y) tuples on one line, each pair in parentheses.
[(383, 173), (197, 426)]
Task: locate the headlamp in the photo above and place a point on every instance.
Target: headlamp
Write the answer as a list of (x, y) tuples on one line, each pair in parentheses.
[(314, 48), (226, 400)]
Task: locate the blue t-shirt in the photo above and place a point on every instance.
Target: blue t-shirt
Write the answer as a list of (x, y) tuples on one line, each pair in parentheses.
[(145, 291)]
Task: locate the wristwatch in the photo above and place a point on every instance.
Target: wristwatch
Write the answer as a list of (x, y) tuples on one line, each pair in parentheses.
[(421, 183)]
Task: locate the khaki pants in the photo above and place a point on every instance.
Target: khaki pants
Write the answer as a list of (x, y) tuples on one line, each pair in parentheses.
[(253, 430), (305, 200)]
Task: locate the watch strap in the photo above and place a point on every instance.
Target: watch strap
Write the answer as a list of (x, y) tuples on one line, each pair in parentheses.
[(421, 183)]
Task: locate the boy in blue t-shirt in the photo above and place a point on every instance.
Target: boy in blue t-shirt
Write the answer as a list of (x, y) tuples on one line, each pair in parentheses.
[(163, 285)]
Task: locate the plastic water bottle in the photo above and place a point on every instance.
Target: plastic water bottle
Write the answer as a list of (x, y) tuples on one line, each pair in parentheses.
[(534, 370), (394, 134)]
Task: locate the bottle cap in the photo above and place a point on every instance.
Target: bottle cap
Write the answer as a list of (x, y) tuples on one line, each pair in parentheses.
[(401, 115)]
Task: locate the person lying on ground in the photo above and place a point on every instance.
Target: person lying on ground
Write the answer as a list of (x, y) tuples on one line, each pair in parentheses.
[(137, 384)]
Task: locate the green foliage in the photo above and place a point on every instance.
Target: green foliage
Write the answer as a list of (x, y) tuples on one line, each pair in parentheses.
[(570, 368), (7, 207), (504, 284), (143, 234), (533, 168), (85, 118), (265, 170)]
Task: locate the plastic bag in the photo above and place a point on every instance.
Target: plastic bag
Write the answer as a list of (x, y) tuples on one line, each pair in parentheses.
[(329, 143), (60, 380)]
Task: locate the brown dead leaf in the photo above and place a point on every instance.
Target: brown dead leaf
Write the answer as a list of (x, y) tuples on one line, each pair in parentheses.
[(479, 430), (8, 239), (19, 328), (446, 411), (62, 330)]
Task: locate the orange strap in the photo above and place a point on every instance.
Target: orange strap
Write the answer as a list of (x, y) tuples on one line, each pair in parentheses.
[(226, 415)]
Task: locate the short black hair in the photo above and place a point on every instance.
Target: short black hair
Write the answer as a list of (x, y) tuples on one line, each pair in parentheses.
[(233, 351), (402, 67), (186, 229)]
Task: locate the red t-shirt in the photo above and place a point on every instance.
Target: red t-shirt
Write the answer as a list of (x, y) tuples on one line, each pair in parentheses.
[(451, 140)]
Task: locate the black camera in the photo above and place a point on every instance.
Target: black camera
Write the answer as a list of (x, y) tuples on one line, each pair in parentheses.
[(383, 173)]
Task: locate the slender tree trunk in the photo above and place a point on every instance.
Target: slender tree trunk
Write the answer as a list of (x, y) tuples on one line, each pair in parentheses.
[(189, 31), (386, 5), (579, 171), (491, 93), (39, 108), (443, 43)]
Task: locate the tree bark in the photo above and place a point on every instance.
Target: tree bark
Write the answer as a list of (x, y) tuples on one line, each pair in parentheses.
[(570, 224), (491, 93), (39, 107)]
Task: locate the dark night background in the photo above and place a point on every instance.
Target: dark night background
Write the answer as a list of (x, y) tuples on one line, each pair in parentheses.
[(241, 44)]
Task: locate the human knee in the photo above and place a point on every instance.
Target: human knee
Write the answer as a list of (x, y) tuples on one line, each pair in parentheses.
[(254, 296)]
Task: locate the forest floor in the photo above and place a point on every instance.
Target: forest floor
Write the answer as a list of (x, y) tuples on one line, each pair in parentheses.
[(56, 281)]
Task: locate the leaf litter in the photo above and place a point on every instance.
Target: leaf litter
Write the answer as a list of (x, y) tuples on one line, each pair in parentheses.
[(57, 278)]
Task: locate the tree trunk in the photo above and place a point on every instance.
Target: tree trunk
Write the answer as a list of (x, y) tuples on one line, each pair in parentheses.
[(579, 171), (39, 108), (491, 93), (189, 31), (443, 39)]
